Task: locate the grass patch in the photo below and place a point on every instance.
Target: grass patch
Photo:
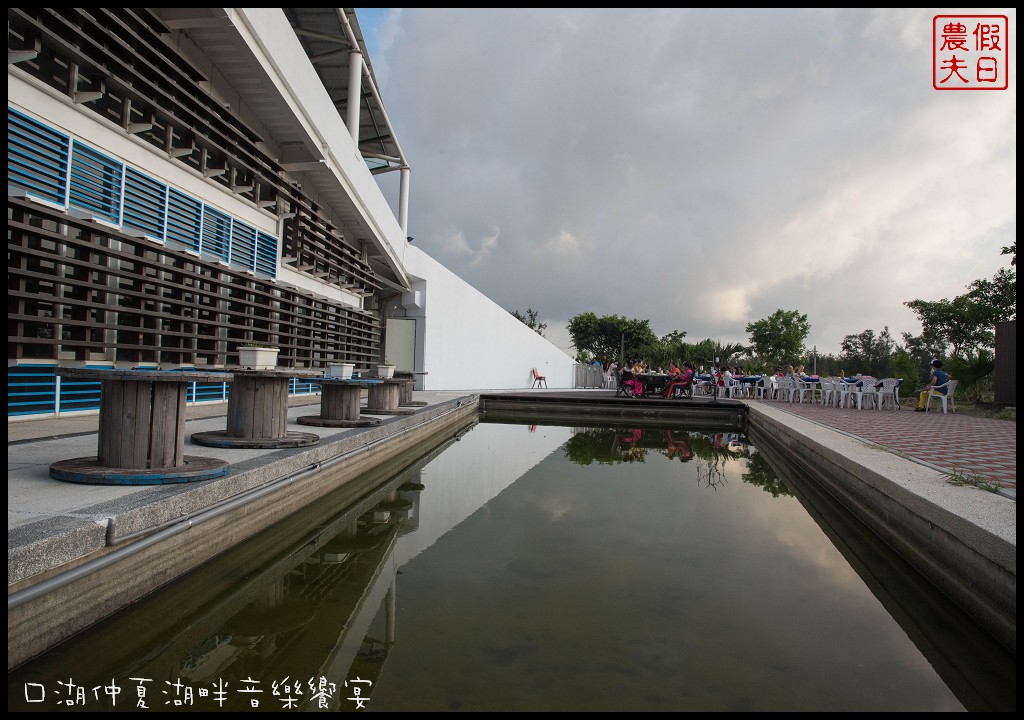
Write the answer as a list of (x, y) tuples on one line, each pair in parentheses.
[(960, 478), (988, 410)]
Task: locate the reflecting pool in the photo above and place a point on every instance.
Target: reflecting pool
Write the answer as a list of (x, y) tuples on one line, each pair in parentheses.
[(541, 567)]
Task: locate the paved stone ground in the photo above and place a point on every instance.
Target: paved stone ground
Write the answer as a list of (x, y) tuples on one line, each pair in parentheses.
[(950, 442)]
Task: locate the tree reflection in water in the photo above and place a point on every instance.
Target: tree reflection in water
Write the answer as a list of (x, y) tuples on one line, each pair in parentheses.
[(710, 451)]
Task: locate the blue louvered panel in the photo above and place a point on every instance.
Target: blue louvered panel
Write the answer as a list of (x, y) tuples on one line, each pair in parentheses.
[(80, 394), (243, 245), (216, 233), (298, 386), (145, 204), (266, 254), (184, 219), (207, 392), (95, 183), (31, 389), (37, 158)]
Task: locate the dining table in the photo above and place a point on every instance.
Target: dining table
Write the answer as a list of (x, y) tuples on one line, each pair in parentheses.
[(652, 382)]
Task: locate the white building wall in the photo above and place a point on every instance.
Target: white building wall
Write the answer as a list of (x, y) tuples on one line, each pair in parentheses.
[(468, 342), (465, 341), (283, 59)]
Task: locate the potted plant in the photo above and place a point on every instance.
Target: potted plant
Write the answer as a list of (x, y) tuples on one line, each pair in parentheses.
[(257, 356), (342, 370), (387, 370)]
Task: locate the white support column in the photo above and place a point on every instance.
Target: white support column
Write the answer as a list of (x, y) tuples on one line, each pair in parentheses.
[(355, 91), (403, 200)]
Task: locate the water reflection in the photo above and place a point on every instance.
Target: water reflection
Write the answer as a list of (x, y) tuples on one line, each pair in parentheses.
[(546, 568), (709, 451), (280, 623)]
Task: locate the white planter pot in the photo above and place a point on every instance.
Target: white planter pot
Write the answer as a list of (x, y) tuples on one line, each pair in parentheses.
[(385, 371), (342, 371), (258, 358)]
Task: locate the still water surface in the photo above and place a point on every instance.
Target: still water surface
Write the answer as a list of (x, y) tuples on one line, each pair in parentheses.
[(529, 567)]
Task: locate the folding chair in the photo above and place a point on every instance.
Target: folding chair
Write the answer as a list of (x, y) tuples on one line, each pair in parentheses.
[(539, 380)]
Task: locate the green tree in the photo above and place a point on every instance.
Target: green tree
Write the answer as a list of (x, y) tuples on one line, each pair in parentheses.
[(609, 336), (966, 323), (923, 351), (1011, 250), (869, 354), (998, 296), (908, 368), (779, 338), (705, 352), (959, 324), (825, 364), (674, 348), (530, 320)]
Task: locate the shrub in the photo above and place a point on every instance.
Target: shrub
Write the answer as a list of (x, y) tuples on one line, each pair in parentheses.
[(973, 372)]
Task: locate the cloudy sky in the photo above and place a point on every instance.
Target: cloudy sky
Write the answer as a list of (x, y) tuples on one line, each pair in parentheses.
[(698, 168)]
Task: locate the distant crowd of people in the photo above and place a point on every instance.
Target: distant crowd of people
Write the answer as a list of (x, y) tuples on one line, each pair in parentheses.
[(682, 379)]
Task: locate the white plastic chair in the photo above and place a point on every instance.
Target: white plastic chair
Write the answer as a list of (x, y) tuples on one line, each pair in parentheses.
[(766, 388), (786, 388), (828, 391), (803, 389), (887, 393), (867, 393), (730, 388), (844, 393), (945, 399)]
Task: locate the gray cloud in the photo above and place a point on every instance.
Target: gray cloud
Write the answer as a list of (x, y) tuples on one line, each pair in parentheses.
[(699, 168)]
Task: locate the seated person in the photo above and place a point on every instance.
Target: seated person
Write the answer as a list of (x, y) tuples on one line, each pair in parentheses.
[(724, 376), (680, 379), (634, 386), (939, 377), (673, 373), (611, 377), (802, 375)]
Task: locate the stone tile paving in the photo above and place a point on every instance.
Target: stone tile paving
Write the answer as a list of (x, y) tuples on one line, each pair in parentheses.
[(951, 442)]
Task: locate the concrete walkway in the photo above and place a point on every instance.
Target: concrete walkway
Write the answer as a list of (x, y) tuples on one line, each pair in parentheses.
[(948, 443)]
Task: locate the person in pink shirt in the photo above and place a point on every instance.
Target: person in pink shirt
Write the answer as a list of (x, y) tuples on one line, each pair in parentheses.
[(679, 379)]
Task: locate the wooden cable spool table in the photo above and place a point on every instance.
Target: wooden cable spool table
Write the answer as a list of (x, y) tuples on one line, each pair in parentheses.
[(141, 429), (258, 412), (384, 398), (405, 391), (339, 404)]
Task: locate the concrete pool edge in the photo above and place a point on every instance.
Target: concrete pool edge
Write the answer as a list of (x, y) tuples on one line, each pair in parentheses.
[(64, 575), (961, 539)]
